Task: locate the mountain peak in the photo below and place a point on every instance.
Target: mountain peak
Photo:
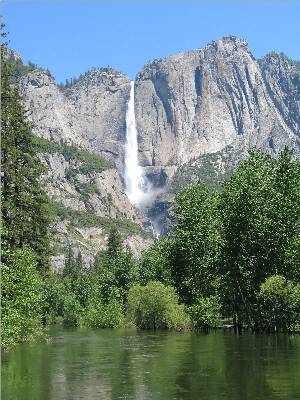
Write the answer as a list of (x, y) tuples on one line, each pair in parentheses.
[(229, 45), (11, 54), (229, 40)]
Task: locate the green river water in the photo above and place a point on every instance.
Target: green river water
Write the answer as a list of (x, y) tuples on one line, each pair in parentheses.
[(127, 364)]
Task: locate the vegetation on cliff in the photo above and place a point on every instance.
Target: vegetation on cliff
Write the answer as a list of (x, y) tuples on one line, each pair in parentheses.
[(89, 162)]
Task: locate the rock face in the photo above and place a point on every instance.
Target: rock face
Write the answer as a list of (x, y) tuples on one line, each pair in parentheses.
[(89, 114), (86, 206), (197, 112), (282, 80), (100, 101), (81, 126), (52, 115), (201, 101)]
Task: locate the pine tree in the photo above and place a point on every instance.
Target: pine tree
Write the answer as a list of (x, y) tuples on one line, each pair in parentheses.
[(79, 262), (114, 246), (24, 203), (73, 265), (69, 263)]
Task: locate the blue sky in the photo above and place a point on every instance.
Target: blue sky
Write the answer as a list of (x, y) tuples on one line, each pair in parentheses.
[(70, 38)]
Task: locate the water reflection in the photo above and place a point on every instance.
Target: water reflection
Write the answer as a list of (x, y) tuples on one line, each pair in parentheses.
[(125, 364)]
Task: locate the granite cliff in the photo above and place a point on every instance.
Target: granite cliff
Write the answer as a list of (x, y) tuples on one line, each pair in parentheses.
[(197, 112), (201, 101)]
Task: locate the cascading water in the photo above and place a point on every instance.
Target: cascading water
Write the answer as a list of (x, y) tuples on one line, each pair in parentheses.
[(138, 188), (137, 185)]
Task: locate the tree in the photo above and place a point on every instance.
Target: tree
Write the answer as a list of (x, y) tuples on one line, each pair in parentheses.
[(72, 310), (285, 216), (79, 261), (156, 262), (24, 202), (259, 208), (73, 266), (125, 273), (198, 237), (53, 292), (76, 280), (114, 275), (229, 243), (114, 244)]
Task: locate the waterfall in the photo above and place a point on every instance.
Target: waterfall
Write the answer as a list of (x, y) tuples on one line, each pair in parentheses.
[(136, 183), (138, 188)]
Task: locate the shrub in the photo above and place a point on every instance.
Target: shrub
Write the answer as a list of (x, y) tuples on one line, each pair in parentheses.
[(206, 312), (155, 306), (72, 310), (279, 304), (99, 315)]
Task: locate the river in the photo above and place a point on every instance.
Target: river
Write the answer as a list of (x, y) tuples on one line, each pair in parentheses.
[(128, 364)]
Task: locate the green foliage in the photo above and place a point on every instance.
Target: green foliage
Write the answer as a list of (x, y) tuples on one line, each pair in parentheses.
[(78, 287), (99, 315), (85, 189), (260, 208), (114, 243), (155, 306), (21, 297), (53, 292), (19, 69), (83, 285), (87, 219), (72, 310), (85, 162), (25, 216), (206, 312), (229, 243), (235, 252), (89, 162), (94, 298), (156, 262), (198, 236), (70, 82), (73, 266), (114, 273), (210, 169), (24, 203), (279, 304), (16, 66)]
